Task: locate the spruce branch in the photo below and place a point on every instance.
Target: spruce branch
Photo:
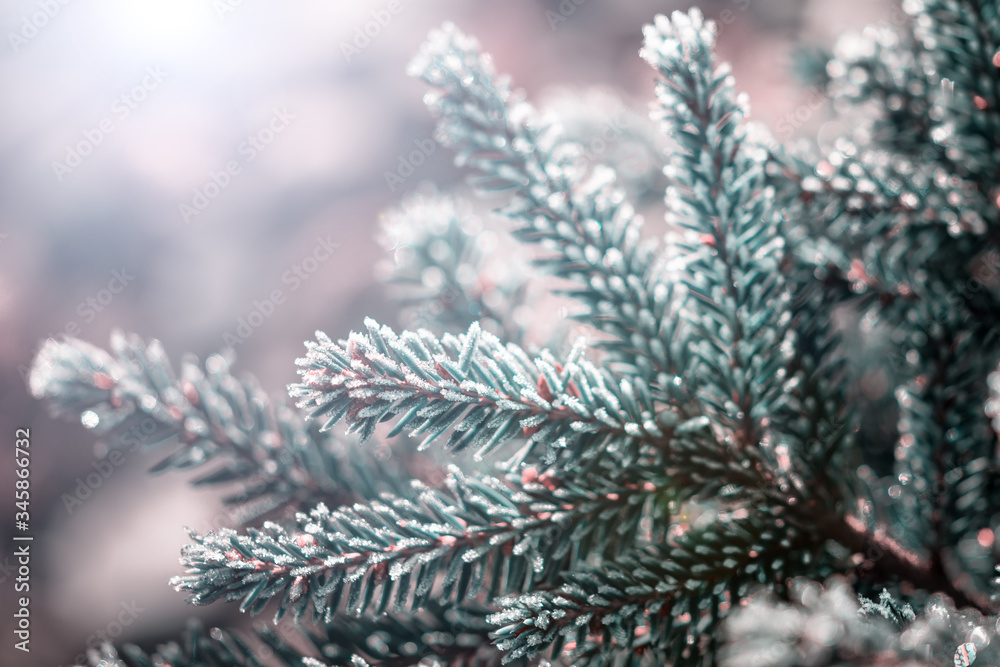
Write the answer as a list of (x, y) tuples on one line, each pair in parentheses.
[(484, 392), (903, 161), (947, 463), (717, 453), (888, 608), (869, 193), (480, 535), (439, 270), (456, 635), (133, 398), (902, 168), (679, 592), (829, 625), (737, 305), (672, 591), (883, 559), (961, 40), (700, 573), (911, 171), (853, 213), (576, 212), (372, 378), (617, 133), (886, 67), (196, 648)]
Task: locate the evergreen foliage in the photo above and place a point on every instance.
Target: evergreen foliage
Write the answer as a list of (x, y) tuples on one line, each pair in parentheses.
[(694, 487), (441, 273), (133, 398)]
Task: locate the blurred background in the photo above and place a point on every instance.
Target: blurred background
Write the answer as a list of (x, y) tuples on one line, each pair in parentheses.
[(165, 164)]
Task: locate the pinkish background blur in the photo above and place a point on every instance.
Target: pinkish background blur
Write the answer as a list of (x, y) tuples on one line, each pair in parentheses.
[(199, 76)]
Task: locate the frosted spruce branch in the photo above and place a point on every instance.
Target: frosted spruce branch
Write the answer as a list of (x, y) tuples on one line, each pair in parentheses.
[(771, 632), (755, 378), (946, 459), (196, 648), (719, 451), (615, 132), (961, 40), (480, 535), (884, 66), (945, 462), (769, 393), (483, 392), (572, 209), (946, 478), (738, 305), (133, 398), (862, 194), (679, 593), (443, 270), (676, 592), (898, 170), (454, 635)]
